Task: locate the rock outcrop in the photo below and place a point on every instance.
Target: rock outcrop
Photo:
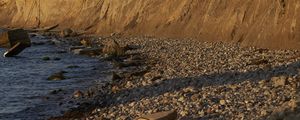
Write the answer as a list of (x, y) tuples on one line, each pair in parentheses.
[(262, 23)]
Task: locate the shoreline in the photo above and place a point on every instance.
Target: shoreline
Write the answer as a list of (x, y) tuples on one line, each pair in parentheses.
[(47, 79), (200, 80)]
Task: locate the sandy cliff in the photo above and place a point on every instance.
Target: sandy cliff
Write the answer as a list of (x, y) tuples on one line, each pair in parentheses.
[(263, 23)]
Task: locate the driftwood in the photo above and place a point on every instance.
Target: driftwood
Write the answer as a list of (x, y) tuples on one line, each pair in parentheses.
[(46, 29), (15, 50)]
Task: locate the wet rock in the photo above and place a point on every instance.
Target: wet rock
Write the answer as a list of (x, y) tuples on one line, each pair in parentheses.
[(279, 81), (16, 40), (56, 42), (46, 58), (113, 48), (88, 51), (57, 76), (115, 89), (67, 33), (73, 66), (166, 115), (78, 94), (10, 38)]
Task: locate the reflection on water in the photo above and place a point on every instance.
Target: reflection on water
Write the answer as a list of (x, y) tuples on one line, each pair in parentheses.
[(24, 83)]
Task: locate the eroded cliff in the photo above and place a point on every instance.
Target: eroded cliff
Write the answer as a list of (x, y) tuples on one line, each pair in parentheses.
[(263, 23)]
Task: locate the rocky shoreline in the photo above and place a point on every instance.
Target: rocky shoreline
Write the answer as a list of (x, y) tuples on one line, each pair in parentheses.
[(199, 80)]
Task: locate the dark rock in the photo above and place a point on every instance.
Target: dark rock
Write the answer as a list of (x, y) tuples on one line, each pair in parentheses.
[(10, 38), (73, 66), (16, 40), (115, 76), (46, 58), (38, 43), (259, 62)]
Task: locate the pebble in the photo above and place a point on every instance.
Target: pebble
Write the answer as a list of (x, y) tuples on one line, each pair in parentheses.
[(204, 80)]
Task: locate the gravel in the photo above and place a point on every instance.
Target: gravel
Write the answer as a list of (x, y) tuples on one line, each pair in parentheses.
[(202, 80)]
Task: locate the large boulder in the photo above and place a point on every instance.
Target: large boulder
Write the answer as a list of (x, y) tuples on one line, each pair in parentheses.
[(16, 40), (10, 38)]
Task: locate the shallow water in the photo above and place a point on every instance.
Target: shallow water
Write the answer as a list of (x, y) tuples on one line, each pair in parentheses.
[(24, 85)]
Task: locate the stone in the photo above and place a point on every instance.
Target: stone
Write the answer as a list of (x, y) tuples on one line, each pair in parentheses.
[(201, 113), (67, 33), (166, 115), (73, 66), (115, 89), (55, 42), (184, 113), (88, 51), (77, 94), (10, 38), (85, 42), (222, 102), (113, 48), (16, 40), (57, 76), (279, 81), (115, 76), (46, 58)]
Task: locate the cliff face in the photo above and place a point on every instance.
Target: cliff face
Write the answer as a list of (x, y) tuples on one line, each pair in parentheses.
[(263, 23)]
